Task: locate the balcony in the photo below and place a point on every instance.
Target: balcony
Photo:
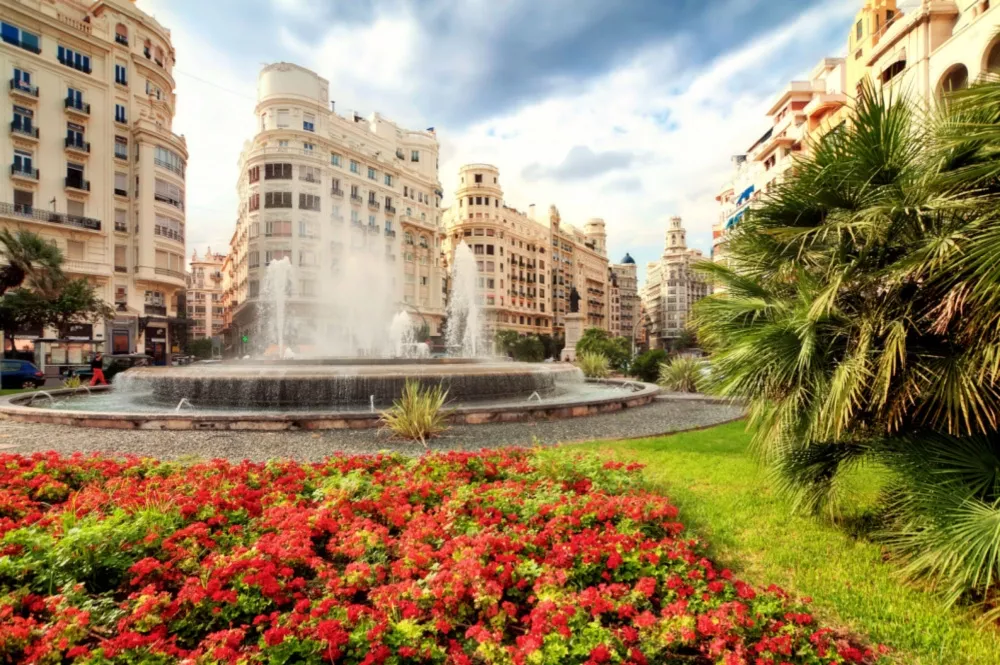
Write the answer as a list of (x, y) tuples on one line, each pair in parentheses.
[(373, 205), (372, 229), (23, 172), (356, 223), (121, 227), (77, 183), (179, 170), (121, 268), (356, 200), (337, 191), (86, 69), (75, 267), (76, 107), (163, 198), (155, 310), (167, 272), (24, 90), (121, 39), (77, 145), (390, 210), (29, 212), (23, 131), (389, 233), (121, 192)]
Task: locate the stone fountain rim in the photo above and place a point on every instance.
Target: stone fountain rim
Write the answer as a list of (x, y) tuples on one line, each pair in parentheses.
[(12, 408), (307, 370)]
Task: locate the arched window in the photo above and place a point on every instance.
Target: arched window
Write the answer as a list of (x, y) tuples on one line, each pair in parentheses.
[(147, 49), (993, 59), (121, 34), (158, 55), (957, 78)]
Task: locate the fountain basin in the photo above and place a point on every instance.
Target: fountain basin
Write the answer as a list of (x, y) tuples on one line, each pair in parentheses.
[(609, 396), (339, 383)]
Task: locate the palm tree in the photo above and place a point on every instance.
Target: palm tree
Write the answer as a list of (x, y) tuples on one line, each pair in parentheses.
[(30, 260), (860, 321)]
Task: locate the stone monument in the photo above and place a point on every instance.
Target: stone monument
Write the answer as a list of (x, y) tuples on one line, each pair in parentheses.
[(574, 327)]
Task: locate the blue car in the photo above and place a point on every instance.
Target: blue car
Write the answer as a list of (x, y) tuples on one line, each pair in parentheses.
[(20, 374)]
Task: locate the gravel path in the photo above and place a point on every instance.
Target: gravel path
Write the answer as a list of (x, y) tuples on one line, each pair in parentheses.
[(666, 414)]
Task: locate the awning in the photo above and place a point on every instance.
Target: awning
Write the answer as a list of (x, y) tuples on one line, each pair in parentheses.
[(745, 195), (735, 218)]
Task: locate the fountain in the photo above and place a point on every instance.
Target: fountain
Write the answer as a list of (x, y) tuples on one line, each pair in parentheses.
[(336, 362)]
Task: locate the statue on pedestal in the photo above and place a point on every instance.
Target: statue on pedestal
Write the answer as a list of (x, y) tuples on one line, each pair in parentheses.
[(574, 300)]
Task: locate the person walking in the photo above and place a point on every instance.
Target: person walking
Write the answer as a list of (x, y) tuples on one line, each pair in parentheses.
[(97, 365)]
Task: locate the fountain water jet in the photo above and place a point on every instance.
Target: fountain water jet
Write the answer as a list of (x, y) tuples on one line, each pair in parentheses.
[(465, 325)]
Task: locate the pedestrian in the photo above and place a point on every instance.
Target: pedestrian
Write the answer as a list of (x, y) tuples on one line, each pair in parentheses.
[(97, 365)]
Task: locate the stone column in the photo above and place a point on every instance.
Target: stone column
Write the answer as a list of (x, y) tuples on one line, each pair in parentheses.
[(574, 331)]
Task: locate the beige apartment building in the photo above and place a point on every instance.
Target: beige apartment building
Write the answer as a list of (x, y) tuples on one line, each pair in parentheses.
[(206, 287), (528, 266), (347, 199), (939, 46), (625, 303), (672, 287), (94, 166)]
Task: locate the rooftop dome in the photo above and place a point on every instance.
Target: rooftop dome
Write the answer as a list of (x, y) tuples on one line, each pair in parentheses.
[(628, 259)]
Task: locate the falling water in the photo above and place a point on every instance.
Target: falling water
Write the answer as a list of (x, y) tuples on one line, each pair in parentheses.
[(274, 304), (401, 335), (464, 334)]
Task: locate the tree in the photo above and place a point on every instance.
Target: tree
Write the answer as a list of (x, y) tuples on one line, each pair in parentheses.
[(29, 259), (554, 344), (200, 348), (860, 322), (646, 366), (505, 341), (22, 307), (76, 302), (617, 350), (528, 349)]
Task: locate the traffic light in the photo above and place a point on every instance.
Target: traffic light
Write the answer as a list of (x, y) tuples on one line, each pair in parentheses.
[(245, 338)]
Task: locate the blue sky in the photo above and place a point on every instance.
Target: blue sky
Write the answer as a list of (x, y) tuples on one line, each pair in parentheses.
[(623, 109)]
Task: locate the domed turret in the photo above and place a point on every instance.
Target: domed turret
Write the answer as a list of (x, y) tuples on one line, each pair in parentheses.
[(628, 259)]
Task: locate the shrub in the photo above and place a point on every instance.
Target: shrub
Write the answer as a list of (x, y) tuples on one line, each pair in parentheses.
[(72, 382), (505, 556), (593, 365), (646, 366), (528, 349), (418, 414), (682, 374), (616, 349)]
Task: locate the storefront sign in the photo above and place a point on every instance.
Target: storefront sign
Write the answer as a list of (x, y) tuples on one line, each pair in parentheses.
[(80, 331), (28, 330)]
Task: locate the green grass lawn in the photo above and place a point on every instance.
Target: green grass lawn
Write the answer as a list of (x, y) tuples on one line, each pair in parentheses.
[(725, 497), (11, 391)]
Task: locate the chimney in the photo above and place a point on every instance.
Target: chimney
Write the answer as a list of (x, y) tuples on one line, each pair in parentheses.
[(531, 211), (333, 104)]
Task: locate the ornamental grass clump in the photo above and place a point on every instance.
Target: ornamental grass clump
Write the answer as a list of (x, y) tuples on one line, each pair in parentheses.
[(593, 365), (418, 415), (503, 556), (682, 374)]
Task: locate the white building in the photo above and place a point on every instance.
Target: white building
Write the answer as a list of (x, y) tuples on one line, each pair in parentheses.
[(93, 164), (205, 303)]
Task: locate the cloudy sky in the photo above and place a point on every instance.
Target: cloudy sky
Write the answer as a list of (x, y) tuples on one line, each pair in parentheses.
[(623, 109)]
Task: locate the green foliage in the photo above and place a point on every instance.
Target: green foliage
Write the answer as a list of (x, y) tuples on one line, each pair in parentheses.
[(618, 350), (528, 349), (593, 365), (419, 414), (76, 302), (29, 259), (646, 366), (72, 382), (505, 340), (682, 374), (554, 344), (861, 316), (200, 348)]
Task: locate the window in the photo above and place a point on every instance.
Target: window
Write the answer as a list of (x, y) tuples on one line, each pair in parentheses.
[(254, 288), (277, 255), (121, 147), (74, 135), (859, 29), (14, 35), (308, 147), (74, 98), (355, 167), (120, 114), (121, 184), (282, 118), (169, 160), (121, 34), (22, 80), (169, 193), (277, 172), (74, 59), (169, 228), (121, 220), (282, 144), (306, 229), (335, 159), (309, 174), (278, 200), (388, 180), (372, 221), (307, 287), (254, 229), (479, 177), (309, 122), (253, 174), (415, 156), (121, 74), (308, 202), (479, 200), (254, 203), (153, 90), (23, 120), (371, 173), (278, 229)]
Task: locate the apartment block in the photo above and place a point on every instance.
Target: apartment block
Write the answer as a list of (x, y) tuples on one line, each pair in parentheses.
[(625, 302), (528, 266), (672, 287), (347, 199), (205, 291), (94, 166)]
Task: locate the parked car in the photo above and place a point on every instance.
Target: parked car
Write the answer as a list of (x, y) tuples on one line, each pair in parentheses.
[(20, 374), (113, 365)]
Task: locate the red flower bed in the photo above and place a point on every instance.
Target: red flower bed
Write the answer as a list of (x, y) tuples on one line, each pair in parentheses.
[(498, 557)]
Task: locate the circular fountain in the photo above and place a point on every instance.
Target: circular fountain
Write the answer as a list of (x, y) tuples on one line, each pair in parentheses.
[(289, 391)]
